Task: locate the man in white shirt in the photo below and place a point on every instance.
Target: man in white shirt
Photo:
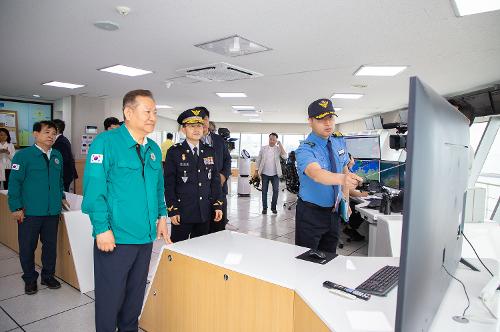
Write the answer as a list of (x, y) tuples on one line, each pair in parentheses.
[(269, 169)]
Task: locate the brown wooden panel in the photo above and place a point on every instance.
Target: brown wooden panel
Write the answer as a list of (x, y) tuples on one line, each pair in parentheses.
[(305, 320), (80, 169), (192, 295)]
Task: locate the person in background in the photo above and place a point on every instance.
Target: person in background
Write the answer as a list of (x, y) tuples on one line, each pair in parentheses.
[(222, 164), (111, 123), (7, 151), (123, 195), (192, 184), (166, 145), (212, 127), (36, 196), (63, 145), (269, 169)]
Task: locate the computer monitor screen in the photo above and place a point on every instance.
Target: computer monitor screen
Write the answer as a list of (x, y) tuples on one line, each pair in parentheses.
[(367, 169), (402, 172), (436, 182), (363, 147), (389, 174)]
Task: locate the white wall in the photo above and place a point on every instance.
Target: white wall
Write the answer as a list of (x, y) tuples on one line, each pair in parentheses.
[(359, 125), (85, 111), (263, 128)]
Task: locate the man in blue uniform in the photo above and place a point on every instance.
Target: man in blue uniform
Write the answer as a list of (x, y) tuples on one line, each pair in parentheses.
[(321, 164), (193, 189)]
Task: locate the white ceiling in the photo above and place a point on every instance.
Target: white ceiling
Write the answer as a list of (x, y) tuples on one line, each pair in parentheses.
[(317, 45)]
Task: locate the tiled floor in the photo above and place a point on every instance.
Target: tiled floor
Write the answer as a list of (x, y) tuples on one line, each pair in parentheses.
[(66, 309)]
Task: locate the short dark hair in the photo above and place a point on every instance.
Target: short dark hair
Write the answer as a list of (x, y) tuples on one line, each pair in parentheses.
[(170, 136), (129, 98), (108, 122), (37, 126), (273, 134), (60, 125), (6, 133)]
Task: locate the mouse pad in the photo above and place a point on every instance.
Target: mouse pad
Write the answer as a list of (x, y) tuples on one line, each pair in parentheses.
[(305, 256)]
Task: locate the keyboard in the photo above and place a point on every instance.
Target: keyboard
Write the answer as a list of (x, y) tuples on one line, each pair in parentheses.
[(381, 282), (374, 203)]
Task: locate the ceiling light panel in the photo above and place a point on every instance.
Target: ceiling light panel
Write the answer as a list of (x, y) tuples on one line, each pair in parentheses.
[(233, 46), (469, 7), (126, 70), (231, 94), (379, 70), (58, 84), (347, 95)]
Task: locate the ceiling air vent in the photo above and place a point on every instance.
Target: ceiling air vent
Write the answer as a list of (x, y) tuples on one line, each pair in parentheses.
[(218, 72)]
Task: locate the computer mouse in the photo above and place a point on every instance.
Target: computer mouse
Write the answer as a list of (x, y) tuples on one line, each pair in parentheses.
[(317, 254)]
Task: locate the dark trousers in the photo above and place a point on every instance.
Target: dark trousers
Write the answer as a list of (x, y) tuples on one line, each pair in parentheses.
[(221, 225), (120, 283), (275, 181), (66, 186), (316, 227), (28, 233), (6, 182), (184, 231)]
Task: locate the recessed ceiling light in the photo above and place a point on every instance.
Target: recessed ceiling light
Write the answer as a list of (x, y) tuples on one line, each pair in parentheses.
[(254, 120), (106, 25), (126, 70), (233, 46), (36, 96), (64, 85), (163, 106), (337, 108), (347, 95), (250, 114), (469, 7), (243, 107), (379, 70), (231, 94)]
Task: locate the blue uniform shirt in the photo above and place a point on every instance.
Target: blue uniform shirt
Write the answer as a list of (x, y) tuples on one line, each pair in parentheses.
[(314, 149)]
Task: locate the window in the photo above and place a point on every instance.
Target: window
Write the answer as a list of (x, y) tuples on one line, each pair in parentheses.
[(490, 173), (291, 142), (236, 151), (251, 143), (476, 132)]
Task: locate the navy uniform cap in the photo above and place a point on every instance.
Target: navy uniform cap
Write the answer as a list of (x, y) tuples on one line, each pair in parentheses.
[(192, 115), (320, 108)]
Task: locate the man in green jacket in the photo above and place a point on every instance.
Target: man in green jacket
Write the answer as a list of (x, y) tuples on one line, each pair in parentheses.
[(35, 198), (123, 194)]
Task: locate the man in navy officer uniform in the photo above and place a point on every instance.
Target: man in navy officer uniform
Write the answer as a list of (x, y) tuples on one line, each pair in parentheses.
[(193, 189), (321, 165)]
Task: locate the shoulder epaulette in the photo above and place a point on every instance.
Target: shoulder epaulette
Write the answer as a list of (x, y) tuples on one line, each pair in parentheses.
[(337, 134)]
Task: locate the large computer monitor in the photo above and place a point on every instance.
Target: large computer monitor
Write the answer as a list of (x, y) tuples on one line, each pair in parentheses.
[(436, 181), (389, 174), (402, 172), (367, 169), (363, 147)]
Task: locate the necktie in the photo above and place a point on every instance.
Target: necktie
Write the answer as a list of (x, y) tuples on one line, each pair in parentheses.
[(333, 169), (195, 153)]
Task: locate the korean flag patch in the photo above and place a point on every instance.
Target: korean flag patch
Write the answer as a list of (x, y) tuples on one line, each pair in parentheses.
[(96, 159), (15, 167)]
